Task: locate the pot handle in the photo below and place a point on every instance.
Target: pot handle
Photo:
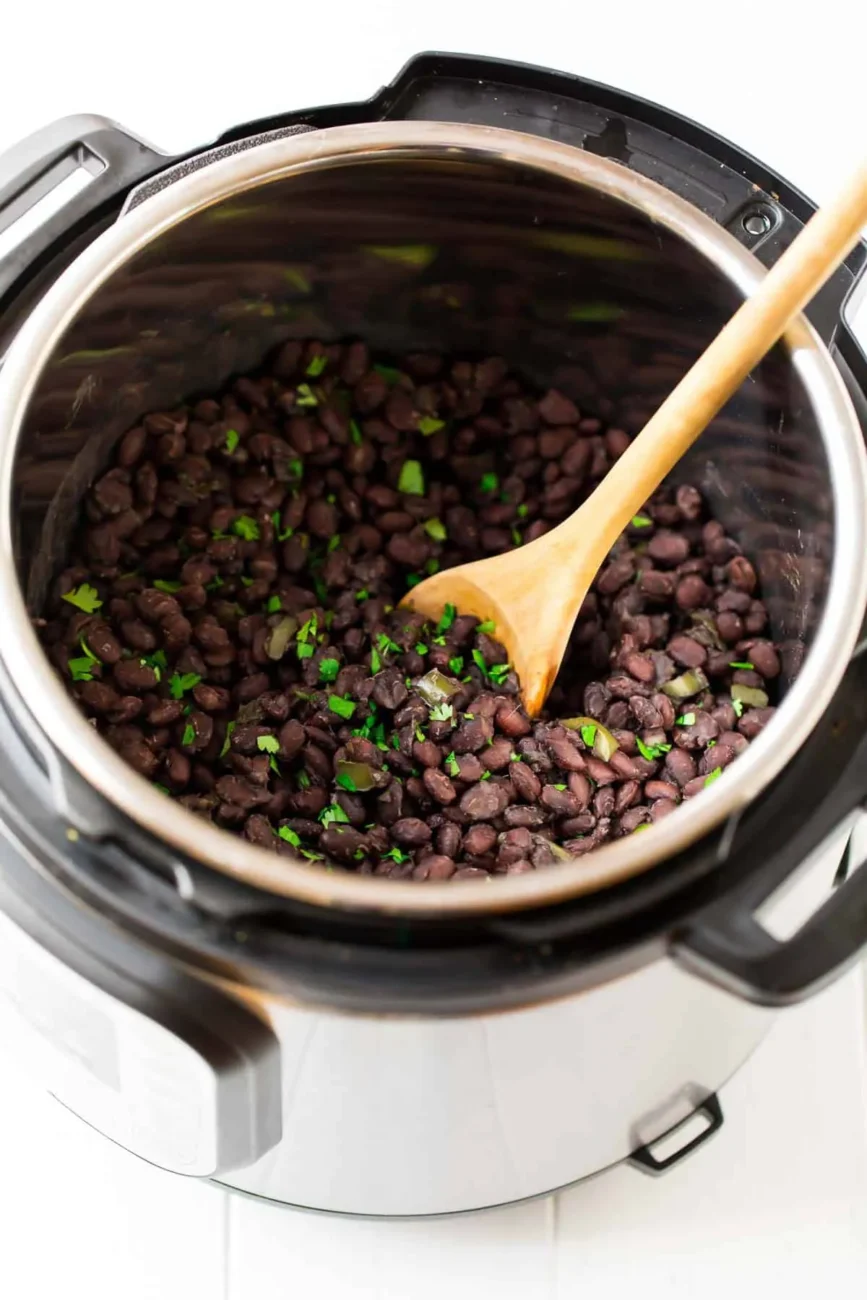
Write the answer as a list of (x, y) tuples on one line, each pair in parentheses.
[(43, 169), (725, 941)]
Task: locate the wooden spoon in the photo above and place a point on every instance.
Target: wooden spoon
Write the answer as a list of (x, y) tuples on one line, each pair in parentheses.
[(533, 594)]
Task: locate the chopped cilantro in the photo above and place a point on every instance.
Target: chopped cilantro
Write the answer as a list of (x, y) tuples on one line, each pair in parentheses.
[(316, 366), (686, 720), (421, 648), (419, 735), (489, 482), (384, 644), (456, 665), (333, 543), (517, 539), (267, 744), (189, 734), (341, 706), (304, 651), (411, 481), (743, 663), (499, 672), (453, 767), (642, 521), (442, 713), (245, 526), (303, 780), (85, 598), (291, 837), (375, 661), (446, 618), (432, 565), (228, 740), (364, 594), (232, 440), (245, 581), (522, 510), (305, 396), (396, 855), (163, 584), (179, 683), (712, 776), (413, 579), (355, 432), (559, 787), (296, 467), (275, 604), (650, 752), (436, 529), (345, 780), (588, 734), (479, 661), (738, 706), (328, 669), (486, 776), (314, 857), (308, 629), (82, 668), (428, 424), (281, 533), (333, 813), (488, 626)]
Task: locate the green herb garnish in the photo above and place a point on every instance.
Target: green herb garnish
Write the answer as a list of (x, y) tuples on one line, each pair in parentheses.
[(436, 530), (303, 780), (744, 663), (456, 665), (499, 672), (411, 480), (305, 396), (447, 618), (179, 683), (712, 776), (642, 521), (245, 526), (228, 740), (341, 706), (291, 837), (364, 594), (281, 533), (486, 776), (428, 424), (396, 855), (489, 482), (316, 366), (487, 627), (384, 644), (559, 787), (738, 706), (523, 511), (82, 668), (328, 669), (304, 651), (85, 598), (267, 744), (588, 734), (355, 432), (686, 720), (650, 752), (333, 813), (189, 734), (232, 440), (163, 584), (453, 767), (442, 713)]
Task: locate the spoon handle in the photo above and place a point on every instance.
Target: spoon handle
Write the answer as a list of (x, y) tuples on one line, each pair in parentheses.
[(747, 336)]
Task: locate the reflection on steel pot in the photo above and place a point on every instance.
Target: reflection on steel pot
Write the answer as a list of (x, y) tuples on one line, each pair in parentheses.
[(380, 1046)]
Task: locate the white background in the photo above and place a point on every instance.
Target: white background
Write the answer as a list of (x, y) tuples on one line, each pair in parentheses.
[(779, 1199)]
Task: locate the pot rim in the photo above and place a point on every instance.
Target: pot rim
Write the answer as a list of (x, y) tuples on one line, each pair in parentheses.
[(45, 697)]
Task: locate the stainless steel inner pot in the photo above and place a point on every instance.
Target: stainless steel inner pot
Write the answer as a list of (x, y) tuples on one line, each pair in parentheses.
[(418, 235)]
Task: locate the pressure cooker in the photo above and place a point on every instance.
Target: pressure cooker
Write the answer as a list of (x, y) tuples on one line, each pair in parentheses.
[(388, 1047)]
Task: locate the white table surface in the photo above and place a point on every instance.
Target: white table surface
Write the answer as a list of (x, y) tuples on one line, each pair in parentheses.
[(779, 1198)]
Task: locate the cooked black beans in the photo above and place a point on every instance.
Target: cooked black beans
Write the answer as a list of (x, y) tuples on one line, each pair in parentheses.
[(229, 622)]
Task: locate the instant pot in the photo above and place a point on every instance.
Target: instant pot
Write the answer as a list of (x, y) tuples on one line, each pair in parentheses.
[(388, 1047)]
